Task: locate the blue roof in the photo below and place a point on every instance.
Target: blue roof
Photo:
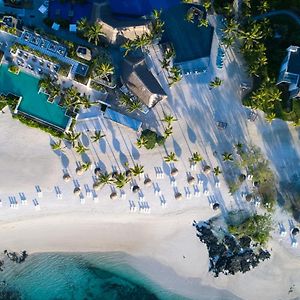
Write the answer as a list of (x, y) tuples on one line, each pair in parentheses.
[(139, 7), (122, 119)]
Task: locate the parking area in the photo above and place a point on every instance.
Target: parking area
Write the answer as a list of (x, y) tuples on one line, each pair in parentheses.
[(42, 43)]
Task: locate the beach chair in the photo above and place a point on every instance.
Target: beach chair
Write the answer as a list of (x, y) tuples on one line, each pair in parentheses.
[(294, 244), (217, 184), (173, 183), (89, 194), (95, 199), (40, 194), (206, 192), (82, 199)]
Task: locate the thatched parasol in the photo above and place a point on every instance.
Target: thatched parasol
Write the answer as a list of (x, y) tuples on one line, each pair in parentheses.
[(96, 186), (178, 196), (206, 169), (216, 206), (135, 188), (113, 196), (295, 231), (79, 171), (97, 171), (191, 180), (77, 191), (174, 172), (66, 177), (147, 182), (248, 197), (128, 173)]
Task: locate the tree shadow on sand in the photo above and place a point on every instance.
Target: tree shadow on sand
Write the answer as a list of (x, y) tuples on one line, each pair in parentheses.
[(85, 140), (102, 146), (191, 134), (177, 148), (135, 153)]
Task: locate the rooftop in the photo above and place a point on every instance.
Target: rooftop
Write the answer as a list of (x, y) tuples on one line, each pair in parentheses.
[(190, 41), (294, 62)]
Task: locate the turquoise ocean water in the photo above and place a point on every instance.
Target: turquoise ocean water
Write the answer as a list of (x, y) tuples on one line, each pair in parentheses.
[(62, 276)]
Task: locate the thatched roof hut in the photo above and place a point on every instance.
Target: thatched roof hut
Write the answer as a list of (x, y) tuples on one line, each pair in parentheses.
[(178, 196), (191, 180), (77, 191), (147, 182), (135, 188), (113, 196), (206, 169), (66, 177), (174, 172), (97, 171), (79, 171)]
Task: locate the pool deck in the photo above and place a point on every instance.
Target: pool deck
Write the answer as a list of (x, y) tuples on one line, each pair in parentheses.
[(33, 103)]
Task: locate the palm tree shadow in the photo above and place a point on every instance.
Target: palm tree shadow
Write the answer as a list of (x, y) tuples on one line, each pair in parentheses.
[(85, 158), (116, 144), (102, 146), (177, 148), (122, 157), (100, 164), (85, 140), (64, 160), (135, 153), (191, 134)]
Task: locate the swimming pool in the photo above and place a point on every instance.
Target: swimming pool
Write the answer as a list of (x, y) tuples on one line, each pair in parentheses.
[(33, 103)]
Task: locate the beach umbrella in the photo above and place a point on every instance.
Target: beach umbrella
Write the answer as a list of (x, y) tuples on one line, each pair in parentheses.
[(216, 206), (97, 171), (178, 196), (248, 197), (79, 171), (128, 173), (206, 169), (174, 172), (147, 182), (96, 186), (295, 231), (191, 180), (113, 196), (66, 177), (77, 191), (135, 188)]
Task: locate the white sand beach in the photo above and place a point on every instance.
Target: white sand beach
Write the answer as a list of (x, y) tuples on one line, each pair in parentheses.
[(162, 238)]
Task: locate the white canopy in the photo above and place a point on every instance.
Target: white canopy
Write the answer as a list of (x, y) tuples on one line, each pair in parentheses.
[(73, 27), (55, 26), (43, 9)]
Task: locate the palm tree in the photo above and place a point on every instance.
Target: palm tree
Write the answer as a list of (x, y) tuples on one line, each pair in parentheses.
[(124, 100), (128, 46), (142, 41), (165, 63), (206, 4), (105, 178), (94, 32), (97, 136), (270, 117), (215, 83), (217, 171), (82, 24), (227, 156), (175, 75), (120, 180), (251, 36), (141, 142), (169, 53), (239, 148), (86, 166), (169, 119), (227, 41), (170, 158), (72, 137), (203, 22), (196, 157), (168, 131), (80, 149), (103, 70), (189, 16), (156, 14), (57, 146), (263, 7), (137, 170), (134, 105)]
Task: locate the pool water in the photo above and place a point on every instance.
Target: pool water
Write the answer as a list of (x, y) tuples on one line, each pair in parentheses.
[(33, 103)]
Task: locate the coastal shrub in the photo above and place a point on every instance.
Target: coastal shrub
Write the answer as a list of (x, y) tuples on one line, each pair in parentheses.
[(34, 124), (14, 69), (64, 69), (257, 227), (152, 138)]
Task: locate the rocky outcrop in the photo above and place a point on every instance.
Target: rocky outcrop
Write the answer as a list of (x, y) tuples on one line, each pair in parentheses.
[(229, 255)]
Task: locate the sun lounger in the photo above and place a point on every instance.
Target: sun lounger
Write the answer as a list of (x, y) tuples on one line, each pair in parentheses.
[(283, 233), (37, 207), (200, 181), (294, 244), (40, 194), (123, 195), (95, 199), (82, 199), (217, 184), (206, 192), (173, 183), (89, 194), (188, 195), (24, 201), (249, 176)]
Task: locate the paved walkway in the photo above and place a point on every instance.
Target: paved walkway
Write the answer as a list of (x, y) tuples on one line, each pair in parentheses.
[(286, 12)]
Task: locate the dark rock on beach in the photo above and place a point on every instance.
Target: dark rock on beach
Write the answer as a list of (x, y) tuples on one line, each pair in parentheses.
[(227, 254)]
